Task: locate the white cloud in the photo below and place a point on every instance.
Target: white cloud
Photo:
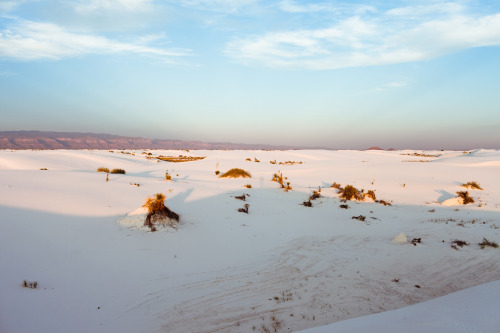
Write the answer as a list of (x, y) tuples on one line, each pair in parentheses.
[(114, 5), (295, 7), (369, 41), (29, 40), (224, 6)]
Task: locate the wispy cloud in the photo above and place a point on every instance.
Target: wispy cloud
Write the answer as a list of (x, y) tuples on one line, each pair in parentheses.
[(127, 5), (297, 7), (223, 6), (372, 39), (28, 40)]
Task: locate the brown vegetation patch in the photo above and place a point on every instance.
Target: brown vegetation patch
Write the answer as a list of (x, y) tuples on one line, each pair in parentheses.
[(180, 158), (235, 173)]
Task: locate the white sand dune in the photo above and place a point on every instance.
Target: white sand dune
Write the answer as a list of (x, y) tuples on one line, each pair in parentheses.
[(282, 267)]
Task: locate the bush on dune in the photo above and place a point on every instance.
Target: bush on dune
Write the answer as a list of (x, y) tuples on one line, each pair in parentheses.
[(236, 173), (158, 213)]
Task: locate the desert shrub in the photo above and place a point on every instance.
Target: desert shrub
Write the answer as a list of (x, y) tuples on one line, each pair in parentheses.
[(315, 195), (118, 171), (180, 158), (307, 203), (349, 192), (472, 185), (486, 243), (236, 173), (465, 196), (30, 284), (244, 209), (103, 169), (360, 217), (167, 176), (335, 185), (248, 186), (43, 169), (256, 160), (279, 179), (344, 206), (371, 194), (458, 242), (383, 202), (248, 159), (158, 213), (241, 197), (287, 187), (217, 172)]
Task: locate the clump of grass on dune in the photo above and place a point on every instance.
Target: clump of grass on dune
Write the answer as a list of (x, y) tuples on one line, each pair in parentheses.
[(235, 173), (465, 196), (118, 171), (487, 243), (349, 192), (472, 186), (103, 169), (158, 213)]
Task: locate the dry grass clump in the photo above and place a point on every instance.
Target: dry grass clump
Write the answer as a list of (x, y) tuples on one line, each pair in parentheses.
[(371, 194), (158, 213), (236, 173), (30, 284), (315, 195), (336, 185), (102, 169), (465, 196), (487, 243), (180, 158), (248, 186), (118, 171), (168, 176), (349, 192), (472, 186)]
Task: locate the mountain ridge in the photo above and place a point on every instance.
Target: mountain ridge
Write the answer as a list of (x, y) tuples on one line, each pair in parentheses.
[(78, 140)]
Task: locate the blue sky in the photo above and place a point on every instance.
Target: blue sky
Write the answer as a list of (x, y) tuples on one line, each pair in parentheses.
[(338, 74)]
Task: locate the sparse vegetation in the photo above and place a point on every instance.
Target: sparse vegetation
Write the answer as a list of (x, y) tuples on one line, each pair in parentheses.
[(244, 209), (307, 203), (241, 197), (248, 186), (118, 171), (180, 158), (43, 169), (458, 243), (30, 284), (344, 206), (217, 172), (235, 173), (167, 176), (103, 169), (472, 186), (465, 197), (487, 243), (349, 192), (335, 185), (158, 213), (416, 241), (136, 184), (371, 194), (360, 217), (315, 195)]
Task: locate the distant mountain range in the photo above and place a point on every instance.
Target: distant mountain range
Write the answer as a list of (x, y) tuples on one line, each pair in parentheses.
[(75, 140)]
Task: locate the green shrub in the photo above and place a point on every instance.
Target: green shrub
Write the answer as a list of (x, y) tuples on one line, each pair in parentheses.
[(118, 171), (103, 169), (236, 173)]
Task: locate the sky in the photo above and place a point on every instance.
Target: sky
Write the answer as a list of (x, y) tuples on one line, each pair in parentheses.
[(408, 74)]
